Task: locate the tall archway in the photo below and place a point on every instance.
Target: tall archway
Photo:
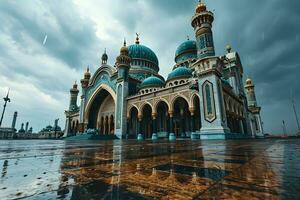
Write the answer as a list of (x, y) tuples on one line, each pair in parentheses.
[(162, 117), (197, 115), (147, 121), (99, 110), (181, 117), (133, 122)]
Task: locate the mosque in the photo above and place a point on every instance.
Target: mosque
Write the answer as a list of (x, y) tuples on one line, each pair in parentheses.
[(203, 97)]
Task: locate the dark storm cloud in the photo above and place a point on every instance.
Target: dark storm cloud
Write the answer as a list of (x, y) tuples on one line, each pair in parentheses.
[(266, 35), (70, 38)]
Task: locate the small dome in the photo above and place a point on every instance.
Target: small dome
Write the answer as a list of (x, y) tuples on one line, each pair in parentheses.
[(249, 81), (104, 57), (87, 74), (180, 72), (124, 49), (141, 52), (189, 48), (152, 81)]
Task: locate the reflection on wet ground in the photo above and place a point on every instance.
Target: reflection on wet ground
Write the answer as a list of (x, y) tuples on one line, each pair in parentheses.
[(235, 169)]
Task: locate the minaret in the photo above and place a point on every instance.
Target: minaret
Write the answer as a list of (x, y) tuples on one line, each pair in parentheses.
[(26, 127), (13, 124), (22, 128), (202, 24), (73, 97), (104, 58), (208, 71), (256, 123), (84, 85), (6, 99), (250, 93), (123, 66), (86, 78), (72, 107)]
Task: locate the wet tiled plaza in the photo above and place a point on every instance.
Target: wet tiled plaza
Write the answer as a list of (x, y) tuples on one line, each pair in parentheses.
[(232, 169)]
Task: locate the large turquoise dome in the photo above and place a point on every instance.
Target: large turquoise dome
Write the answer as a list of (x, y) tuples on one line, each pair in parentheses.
[(144, 62), (152, 81), (180, 72), (138, 51), (186, 50)]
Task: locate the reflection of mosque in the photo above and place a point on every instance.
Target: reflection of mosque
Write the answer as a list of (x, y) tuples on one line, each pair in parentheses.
[(179, 170), (203, 97)]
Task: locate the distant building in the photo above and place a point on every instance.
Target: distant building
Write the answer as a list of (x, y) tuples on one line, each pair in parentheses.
[(9, 132), (51, 131), (203, 96)]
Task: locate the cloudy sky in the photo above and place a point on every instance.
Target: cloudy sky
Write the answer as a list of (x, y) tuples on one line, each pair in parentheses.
[(265, 33)]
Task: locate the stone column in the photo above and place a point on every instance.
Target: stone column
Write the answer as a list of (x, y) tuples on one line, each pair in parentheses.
[(193, 134), (127, 127), (13, 125), (140, 135), (154, 126), (108, 125), (104, 126), (241, 126), (26, 127), (171, 134), (182, 123)]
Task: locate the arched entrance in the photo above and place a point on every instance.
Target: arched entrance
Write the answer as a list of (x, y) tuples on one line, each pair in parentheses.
[(197, 115), (147, 121), (162, 117), (181, 117), (100, 111), (133, 122)]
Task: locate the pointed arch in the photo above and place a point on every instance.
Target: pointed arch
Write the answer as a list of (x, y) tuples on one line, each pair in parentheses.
[(192, 102), (175, 98), (143, 105), (103, 88), (158, 102)]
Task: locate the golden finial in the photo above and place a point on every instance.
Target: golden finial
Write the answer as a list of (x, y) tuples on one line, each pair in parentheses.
[(228, 48), (87, 74), (124, 49), (75, 84), (137, 39), (201, 7), (124, 44), (188, 37), (249, 81)]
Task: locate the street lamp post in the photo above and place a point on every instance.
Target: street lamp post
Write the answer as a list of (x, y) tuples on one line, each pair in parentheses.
[(6, 99)]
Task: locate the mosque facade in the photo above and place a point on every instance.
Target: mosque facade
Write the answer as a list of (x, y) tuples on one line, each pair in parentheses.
[(203, 97)]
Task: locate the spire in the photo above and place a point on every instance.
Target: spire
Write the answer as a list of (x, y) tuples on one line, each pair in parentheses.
[(8, 93), (137, 39), (75, 85), (124, 49), (202, 24), (188, 37), (228, 48), (104, 57), (87, 74)]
